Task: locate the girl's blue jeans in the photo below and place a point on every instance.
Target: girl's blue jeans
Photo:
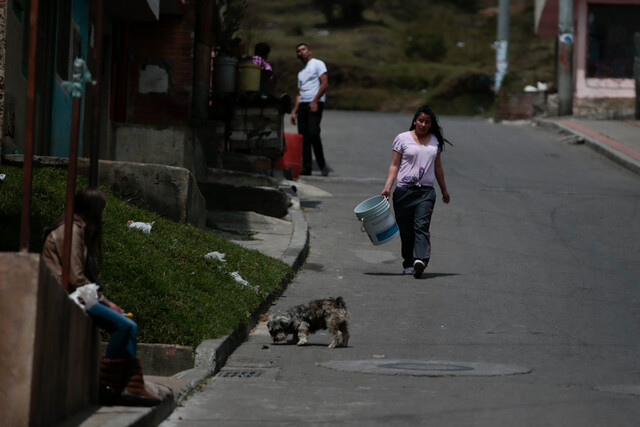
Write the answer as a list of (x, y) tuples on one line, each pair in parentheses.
[(123, 330)]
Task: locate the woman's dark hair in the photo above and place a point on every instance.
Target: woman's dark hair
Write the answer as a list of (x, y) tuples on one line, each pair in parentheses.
[(89, 204), (435, 129), (262, 50)]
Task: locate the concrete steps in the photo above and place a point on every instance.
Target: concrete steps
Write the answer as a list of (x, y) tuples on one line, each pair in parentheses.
[(227, 190)]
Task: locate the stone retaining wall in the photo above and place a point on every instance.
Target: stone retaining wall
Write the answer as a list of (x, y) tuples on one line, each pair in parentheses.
[(166, 190)]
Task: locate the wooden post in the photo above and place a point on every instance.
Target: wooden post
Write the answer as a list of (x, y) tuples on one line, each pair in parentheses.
[(97, 98), (636, 73), (27, 170)]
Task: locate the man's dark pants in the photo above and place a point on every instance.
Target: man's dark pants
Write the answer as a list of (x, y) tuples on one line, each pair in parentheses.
[(309, 128)]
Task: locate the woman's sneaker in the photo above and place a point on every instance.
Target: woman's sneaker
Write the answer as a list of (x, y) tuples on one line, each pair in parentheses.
[(408, 270), (418, 267)]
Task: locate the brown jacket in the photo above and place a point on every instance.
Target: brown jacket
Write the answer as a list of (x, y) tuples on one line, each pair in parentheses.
[(53, 250)]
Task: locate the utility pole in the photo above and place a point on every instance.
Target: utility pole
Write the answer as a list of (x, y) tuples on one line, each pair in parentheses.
[(565, 57), (502, 43)]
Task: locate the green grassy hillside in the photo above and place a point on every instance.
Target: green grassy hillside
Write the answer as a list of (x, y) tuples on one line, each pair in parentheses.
[(176, 295), (404, 53)]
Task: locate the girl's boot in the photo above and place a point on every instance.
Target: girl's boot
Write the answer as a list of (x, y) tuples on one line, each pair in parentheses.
[(111, 380), (134, 392)]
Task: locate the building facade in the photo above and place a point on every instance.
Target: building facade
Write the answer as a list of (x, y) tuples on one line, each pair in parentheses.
[(142, 110), (603, 51)]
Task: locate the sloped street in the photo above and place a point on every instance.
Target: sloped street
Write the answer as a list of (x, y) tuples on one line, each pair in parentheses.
[(528, 313)]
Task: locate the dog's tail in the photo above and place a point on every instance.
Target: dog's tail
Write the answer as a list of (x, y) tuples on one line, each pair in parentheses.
[(340, 303)]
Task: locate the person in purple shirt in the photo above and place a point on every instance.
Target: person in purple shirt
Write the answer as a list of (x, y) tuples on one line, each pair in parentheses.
[(260, 56), (415, 166)]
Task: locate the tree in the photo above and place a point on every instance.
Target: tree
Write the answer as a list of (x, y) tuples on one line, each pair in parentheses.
[(227, 17)]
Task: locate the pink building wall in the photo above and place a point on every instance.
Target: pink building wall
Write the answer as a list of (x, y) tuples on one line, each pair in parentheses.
[(595, 87)]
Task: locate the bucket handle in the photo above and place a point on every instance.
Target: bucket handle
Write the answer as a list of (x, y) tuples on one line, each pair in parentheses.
[(361, 225)]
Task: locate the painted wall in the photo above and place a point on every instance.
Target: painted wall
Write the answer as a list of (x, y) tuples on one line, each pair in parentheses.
[(546, 17), (15, 83), (61, 101), (595, 87), (163, 69)]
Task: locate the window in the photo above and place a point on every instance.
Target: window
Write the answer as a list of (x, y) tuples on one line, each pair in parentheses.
[(610, 33)]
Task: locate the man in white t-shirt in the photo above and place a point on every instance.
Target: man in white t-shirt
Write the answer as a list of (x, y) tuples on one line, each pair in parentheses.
[(313, 82)]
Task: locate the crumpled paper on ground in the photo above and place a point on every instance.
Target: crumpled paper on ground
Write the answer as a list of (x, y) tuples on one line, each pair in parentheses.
[(243, 282), (144, 226), (218, 256)]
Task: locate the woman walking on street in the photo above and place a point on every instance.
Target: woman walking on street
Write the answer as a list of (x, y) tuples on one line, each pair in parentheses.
[(415, 165)]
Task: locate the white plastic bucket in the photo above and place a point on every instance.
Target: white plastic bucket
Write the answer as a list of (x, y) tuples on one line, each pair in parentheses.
[(377, 219)]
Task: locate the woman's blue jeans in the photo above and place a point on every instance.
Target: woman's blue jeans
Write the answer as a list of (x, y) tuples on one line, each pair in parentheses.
[(123, 330)]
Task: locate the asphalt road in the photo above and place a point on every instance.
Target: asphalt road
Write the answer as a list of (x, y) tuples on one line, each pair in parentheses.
[(528, 314)]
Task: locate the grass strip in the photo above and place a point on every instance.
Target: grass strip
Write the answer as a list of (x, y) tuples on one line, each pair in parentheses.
[(175, 294)]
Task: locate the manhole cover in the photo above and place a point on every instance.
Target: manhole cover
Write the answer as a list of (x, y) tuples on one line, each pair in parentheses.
[(426, 368)]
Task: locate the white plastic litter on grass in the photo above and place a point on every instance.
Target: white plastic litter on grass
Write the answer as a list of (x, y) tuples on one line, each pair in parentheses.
[(216, 255), (243, 282), (144, 226)]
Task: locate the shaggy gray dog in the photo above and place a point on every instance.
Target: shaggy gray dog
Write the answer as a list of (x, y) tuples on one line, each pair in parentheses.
[(304, 319)]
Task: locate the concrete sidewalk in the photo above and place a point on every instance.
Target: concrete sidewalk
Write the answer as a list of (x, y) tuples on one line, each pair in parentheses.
[(618, 140), (286, 239)]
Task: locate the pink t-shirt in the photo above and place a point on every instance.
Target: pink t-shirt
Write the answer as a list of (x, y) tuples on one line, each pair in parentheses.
[(417, 166)]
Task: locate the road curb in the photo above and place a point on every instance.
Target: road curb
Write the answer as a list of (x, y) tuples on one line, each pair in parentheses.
[(594, 143), (211, 355)]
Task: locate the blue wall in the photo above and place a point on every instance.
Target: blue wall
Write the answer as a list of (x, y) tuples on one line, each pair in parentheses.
[(61, 102)]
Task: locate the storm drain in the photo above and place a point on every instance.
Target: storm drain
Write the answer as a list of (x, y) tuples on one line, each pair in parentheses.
[(425, 368), (242, 373)]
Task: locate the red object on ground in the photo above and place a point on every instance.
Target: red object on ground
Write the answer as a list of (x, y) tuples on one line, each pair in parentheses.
[(292, 157)]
